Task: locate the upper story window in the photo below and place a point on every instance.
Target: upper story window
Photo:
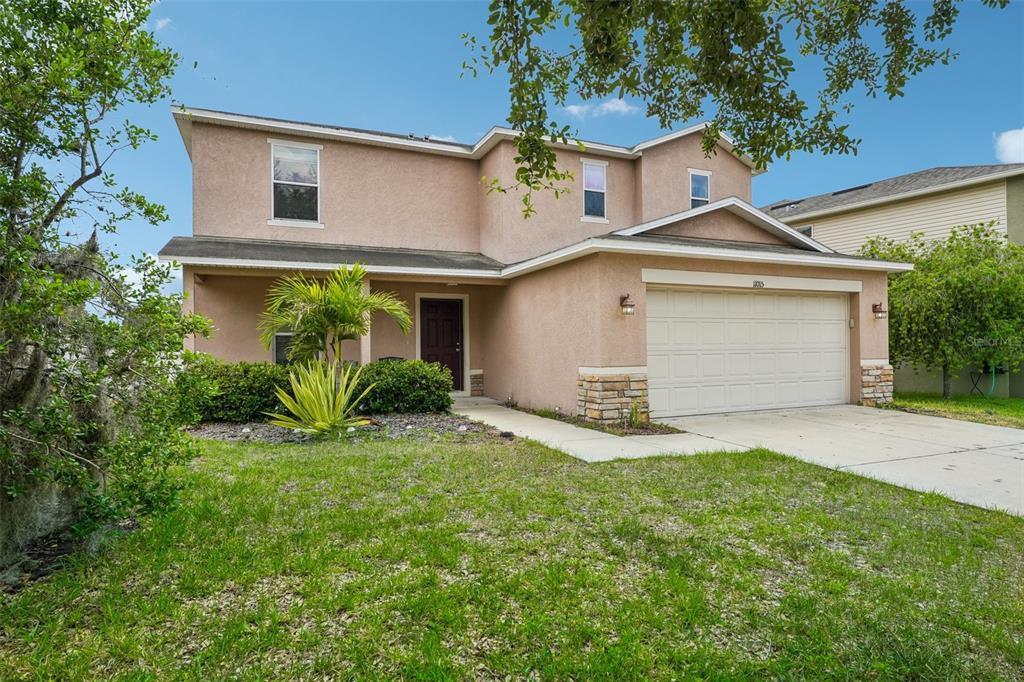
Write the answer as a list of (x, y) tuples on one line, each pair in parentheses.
[(807, 231), (296, 180), (595, 189), (700, 188)]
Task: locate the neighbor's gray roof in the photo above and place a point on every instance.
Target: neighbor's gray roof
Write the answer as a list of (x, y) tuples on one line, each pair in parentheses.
[(258, 250), (883, 189)]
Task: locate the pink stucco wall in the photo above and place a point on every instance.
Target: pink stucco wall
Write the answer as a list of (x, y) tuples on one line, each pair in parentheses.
[(583, 326), (509, 237), (370, 196), (531, 334), (378, 196), (666, 178)]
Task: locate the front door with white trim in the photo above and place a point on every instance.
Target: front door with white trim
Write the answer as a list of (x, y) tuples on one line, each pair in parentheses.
[(727, 350)]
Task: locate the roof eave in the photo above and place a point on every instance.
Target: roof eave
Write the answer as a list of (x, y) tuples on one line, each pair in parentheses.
[(185, 116)]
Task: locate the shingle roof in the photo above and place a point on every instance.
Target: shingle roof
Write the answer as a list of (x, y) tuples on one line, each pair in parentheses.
[(267, 251), (888, 188)]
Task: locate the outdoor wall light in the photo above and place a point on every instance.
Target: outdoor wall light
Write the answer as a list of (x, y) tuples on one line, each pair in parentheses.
[(627, 304), (879, 310)]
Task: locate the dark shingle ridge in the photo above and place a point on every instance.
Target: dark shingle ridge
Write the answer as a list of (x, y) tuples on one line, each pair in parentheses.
[(887, 188), (288, 251)]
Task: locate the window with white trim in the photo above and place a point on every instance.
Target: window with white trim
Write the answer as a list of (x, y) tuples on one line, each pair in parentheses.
[(807, 231), (700, 188), (296, 180), (594, 189)]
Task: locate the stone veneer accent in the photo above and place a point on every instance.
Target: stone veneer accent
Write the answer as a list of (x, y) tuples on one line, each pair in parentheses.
[(476, 383), (875, 384), (607, 398)]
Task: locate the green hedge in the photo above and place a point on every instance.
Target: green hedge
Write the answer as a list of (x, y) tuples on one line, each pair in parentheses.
[(211, 390), (405, 386)]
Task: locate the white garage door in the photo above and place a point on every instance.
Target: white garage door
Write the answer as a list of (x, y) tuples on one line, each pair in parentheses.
[(724, 350)]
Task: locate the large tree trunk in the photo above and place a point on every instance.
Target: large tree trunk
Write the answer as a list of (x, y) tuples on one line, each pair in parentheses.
[(947, 382)]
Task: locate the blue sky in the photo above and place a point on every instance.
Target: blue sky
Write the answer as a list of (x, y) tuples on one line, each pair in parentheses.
[(396, 67)]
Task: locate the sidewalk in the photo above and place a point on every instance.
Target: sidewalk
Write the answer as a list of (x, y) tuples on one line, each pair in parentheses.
[(586, 444)]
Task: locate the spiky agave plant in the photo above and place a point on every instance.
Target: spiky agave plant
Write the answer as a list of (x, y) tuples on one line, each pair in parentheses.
[(323, 398)]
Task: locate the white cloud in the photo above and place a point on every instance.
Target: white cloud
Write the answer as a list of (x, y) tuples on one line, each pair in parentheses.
[(134, 277), (162, 23), (1010, 146), (617, 107), (441, 138)]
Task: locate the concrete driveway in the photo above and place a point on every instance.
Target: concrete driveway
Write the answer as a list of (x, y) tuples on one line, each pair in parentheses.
[(974, 463)]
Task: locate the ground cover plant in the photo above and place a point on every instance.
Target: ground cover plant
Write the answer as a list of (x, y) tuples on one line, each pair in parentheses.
[(479, 557)]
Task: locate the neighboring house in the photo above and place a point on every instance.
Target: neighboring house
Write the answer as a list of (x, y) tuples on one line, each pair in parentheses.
[(932, 202), (654, 279)]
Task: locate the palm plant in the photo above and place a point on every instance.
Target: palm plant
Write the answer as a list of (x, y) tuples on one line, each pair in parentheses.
[(323, 399), (321, 313)]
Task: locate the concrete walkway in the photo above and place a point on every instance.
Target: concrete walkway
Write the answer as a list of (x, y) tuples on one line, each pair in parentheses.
[(586, 444), (975, 463)]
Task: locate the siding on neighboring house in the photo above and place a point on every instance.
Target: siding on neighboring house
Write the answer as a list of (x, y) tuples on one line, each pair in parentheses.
[(934, 215)]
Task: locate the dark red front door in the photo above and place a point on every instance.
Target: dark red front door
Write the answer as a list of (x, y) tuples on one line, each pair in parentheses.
[(441, 335)]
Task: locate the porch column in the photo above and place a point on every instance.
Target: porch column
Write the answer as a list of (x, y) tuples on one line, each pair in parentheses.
[(364, 342)]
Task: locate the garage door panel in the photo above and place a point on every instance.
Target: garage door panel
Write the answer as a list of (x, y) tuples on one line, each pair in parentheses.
[(739, 365), (684, 333), (711, 350), (685, 366), (658, 303), (712, 365), (658, 333), (658, 367)]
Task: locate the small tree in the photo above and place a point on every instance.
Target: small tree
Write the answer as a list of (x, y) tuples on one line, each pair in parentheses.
[(678, 58), (320, 314), (961, 305), (86, 352)]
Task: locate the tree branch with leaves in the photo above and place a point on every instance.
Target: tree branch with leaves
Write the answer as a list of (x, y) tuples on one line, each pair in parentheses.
[(728, 61)]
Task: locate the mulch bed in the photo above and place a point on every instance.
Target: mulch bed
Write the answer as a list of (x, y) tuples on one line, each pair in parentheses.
[(617, 429), (420, 426)]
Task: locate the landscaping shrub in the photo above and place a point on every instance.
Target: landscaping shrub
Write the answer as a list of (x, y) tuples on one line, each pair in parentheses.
[(406, 386), (211, 390), (196, 387)]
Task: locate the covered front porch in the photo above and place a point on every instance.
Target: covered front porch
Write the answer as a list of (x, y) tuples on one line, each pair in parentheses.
[(450, 320)]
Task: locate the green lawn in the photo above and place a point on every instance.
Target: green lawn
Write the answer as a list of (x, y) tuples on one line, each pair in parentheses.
[(998, 411), (476, 557)]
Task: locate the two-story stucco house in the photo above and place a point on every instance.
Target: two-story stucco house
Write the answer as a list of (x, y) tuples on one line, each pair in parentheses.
[(653, 280), (931, 202)]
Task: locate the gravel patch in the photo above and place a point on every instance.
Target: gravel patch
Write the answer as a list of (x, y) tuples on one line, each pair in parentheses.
[(418, 425)]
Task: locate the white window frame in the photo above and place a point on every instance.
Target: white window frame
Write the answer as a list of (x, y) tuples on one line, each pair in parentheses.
[(806, 230), (583, 195), (273, 346), (291, 222), (689, 177)]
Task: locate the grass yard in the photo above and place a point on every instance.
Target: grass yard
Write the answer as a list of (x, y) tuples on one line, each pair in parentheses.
[(997, 411), (476, 557)]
